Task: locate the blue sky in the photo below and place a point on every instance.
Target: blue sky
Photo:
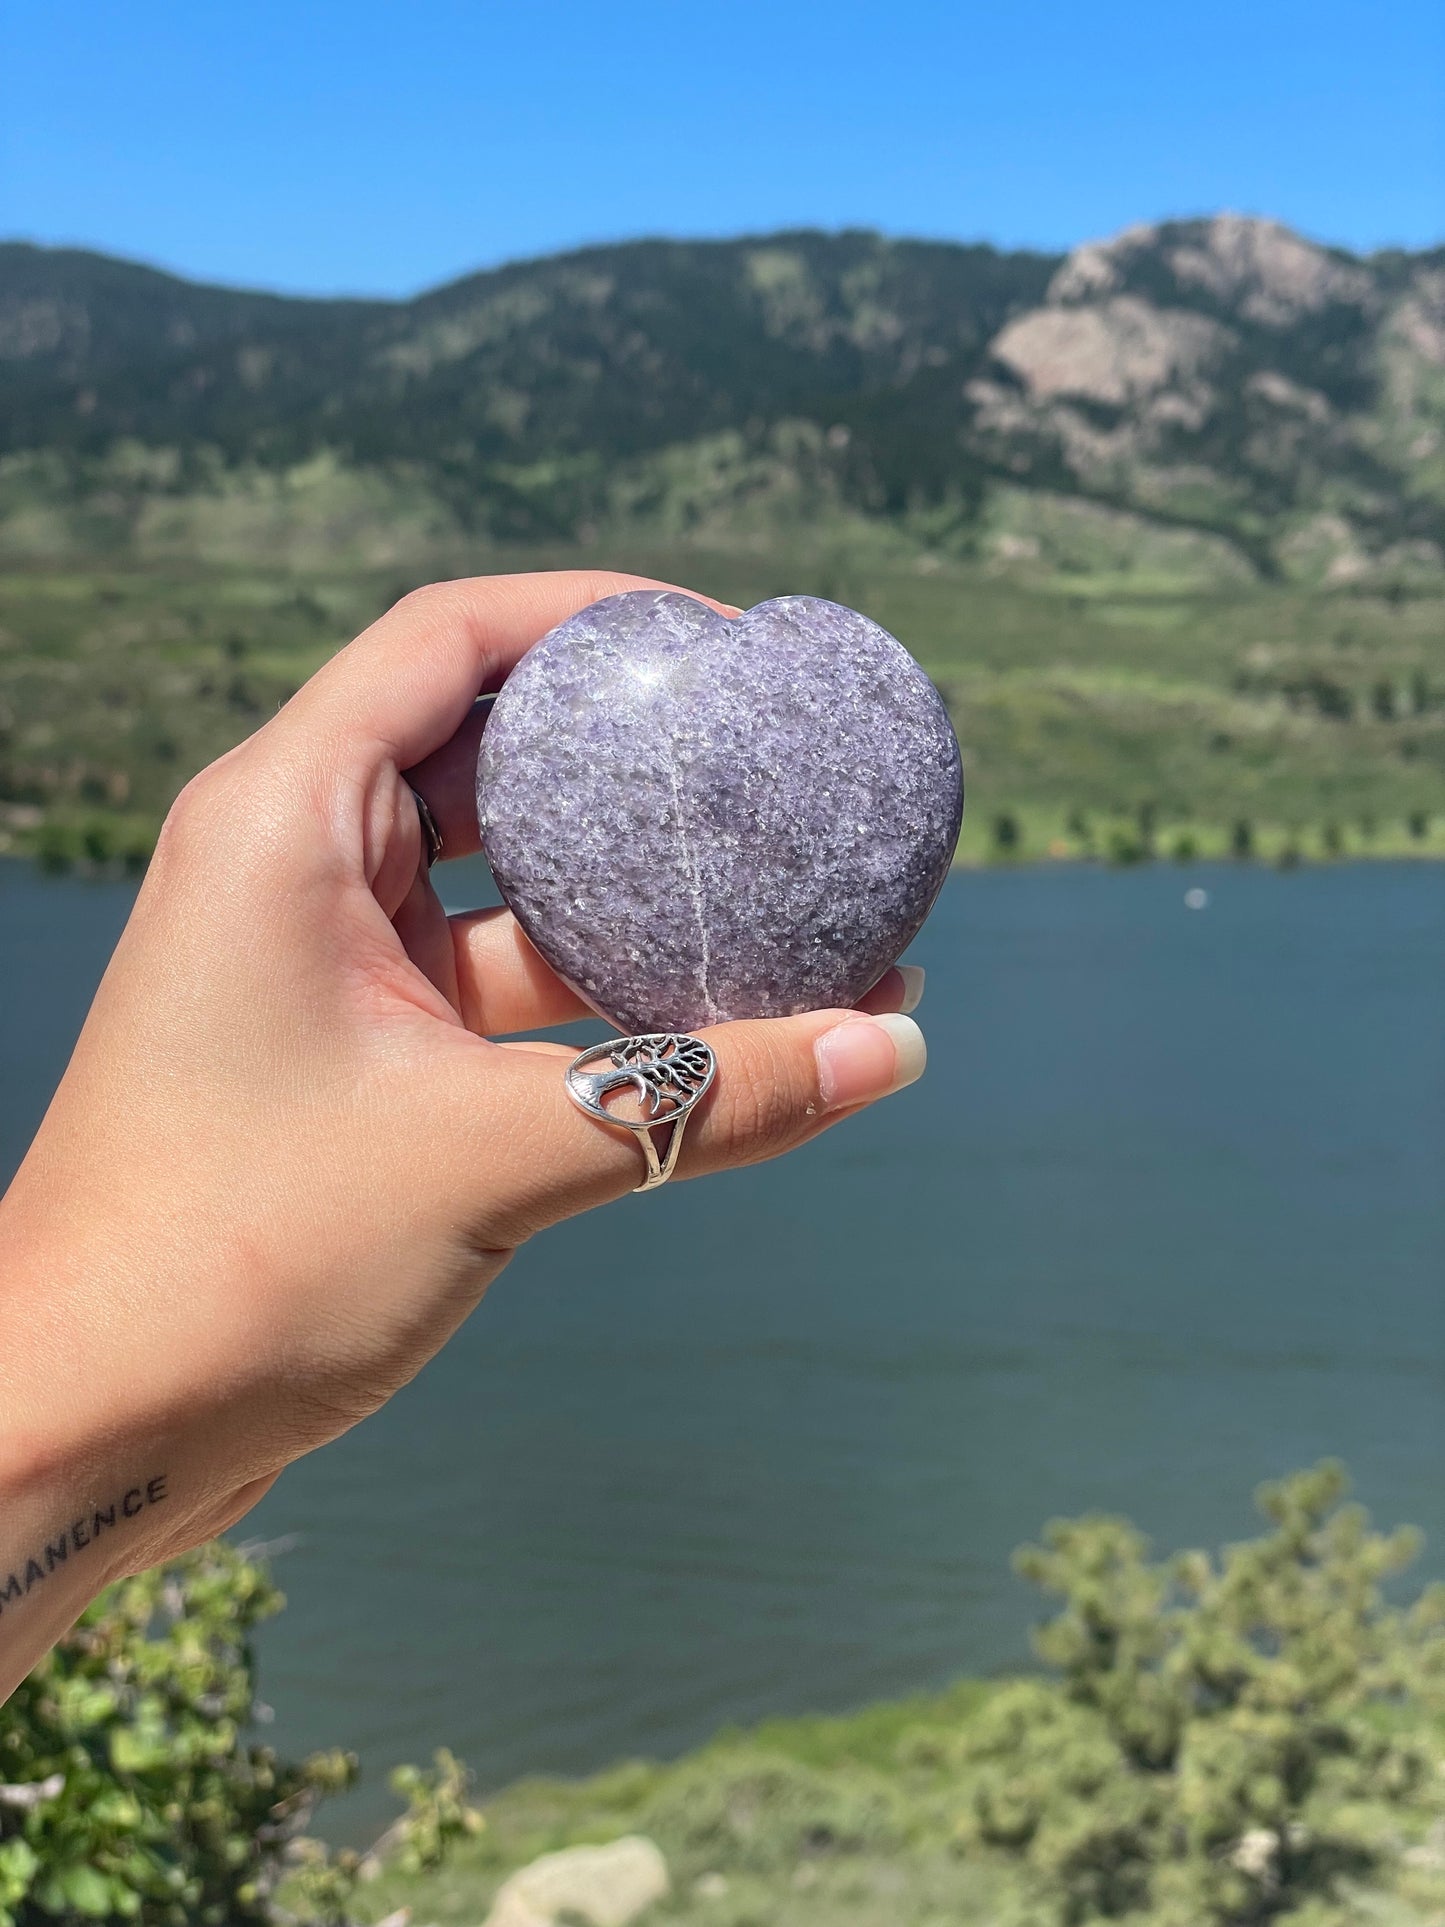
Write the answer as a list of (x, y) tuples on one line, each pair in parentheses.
[(378, 147)]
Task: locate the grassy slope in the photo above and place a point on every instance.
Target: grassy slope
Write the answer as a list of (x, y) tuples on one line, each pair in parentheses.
[(808, 1822), (1101, 694), (839, 1822)]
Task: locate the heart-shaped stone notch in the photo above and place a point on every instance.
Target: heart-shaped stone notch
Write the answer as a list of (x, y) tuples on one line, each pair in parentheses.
[(697, 817)]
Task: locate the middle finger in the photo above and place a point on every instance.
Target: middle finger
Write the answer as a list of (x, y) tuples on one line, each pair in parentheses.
[(504, 986)]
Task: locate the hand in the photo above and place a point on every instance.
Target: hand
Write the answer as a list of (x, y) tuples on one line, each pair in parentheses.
[(285, 1162)]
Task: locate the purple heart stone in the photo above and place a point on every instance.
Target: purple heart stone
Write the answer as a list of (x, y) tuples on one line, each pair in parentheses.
[(697, 818)]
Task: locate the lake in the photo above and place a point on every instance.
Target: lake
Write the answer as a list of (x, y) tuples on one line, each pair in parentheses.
[(1165, 1218)]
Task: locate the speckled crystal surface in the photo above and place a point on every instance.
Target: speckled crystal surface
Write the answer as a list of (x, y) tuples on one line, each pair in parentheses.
[(696, 818)]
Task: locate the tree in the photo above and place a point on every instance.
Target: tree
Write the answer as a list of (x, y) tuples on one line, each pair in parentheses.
[(130, 1790), (1007, 836), (57, 846), (1080, 829), (1228, 1738), (1330, 696), (1241, 840)]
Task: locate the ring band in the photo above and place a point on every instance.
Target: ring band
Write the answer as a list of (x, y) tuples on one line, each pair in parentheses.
[(431, 836), (668, 1070)]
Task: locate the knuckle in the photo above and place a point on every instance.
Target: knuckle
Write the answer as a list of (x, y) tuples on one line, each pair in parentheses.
[(224, 808), (427, 600), (194, 813), (597, 584), (198, 796)]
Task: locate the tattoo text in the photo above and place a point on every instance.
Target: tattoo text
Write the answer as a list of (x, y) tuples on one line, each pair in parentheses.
[(75, 1537)]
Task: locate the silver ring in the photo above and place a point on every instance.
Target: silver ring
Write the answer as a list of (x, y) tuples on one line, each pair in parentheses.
[(669, 1072), (431, 836)]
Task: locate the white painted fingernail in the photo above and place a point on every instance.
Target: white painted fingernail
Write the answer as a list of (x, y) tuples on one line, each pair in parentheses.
[(909, 1046), (864, 1058), (913, 976)]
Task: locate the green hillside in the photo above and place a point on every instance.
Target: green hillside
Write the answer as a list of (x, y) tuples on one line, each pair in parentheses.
[(1165, 518), (1102, 714)]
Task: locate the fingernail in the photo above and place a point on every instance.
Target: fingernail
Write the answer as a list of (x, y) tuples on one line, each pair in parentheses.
[(868, 1057), (913, 978)]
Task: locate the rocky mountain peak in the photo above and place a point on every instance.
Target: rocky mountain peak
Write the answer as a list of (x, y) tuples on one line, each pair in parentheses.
[(1274, 275), (1267, 273)]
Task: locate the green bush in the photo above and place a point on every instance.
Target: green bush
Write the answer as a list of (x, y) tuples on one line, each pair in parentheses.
[(1124, 848), (1228, 1740), (1007, 835), (57, 846), (130, 1790), (136, 852), (97, 840), (437, 1815), (762, 1813)]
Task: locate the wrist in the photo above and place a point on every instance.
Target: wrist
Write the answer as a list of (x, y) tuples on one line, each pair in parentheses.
[(63, 1539), (84, 1492)]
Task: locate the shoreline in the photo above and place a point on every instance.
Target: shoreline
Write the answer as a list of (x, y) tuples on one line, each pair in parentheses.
[(84, 869)]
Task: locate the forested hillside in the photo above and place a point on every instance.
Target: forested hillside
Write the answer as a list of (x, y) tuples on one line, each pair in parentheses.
[(1277, 406)]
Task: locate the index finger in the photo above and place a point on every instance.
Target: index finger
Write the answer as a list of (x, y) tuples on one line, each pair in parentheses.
[(405, 685)]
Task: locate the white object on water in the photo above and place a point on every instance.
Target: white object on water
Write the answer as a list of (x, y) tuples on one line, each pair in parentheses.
[(1196, 899)]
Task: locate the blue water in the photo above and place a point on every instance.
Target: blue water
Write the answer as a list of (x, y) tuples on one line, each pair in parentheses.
[(1165, 1218)]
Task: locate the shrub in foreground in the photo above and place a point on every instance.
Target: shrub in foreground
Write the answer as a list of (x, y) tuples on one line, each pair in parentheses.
[(130, 1790), (1228, 1740)]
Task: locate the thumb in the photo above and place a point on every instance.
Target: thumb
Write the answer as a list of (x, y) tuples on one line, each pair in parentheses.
[(780, 1081)]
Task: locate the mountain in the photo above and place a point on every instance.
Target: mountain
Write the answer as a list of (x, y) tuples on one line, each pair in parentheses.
[(1219, 390)]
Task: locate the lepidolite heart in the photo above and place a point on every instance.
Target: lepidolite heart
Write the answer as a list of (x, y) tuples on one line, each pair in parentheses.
[(697, 818)]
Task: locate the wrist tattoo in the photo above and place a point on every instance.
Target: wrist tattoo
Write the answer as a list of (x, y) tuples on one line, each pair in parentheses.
[(75, 1537)]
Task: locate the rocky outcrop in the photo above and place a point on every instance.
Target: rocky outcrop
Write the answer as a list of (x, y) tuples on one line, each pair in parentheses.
[(1116, 353), (1259, 268), (1270, 274), (1230, 374)]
